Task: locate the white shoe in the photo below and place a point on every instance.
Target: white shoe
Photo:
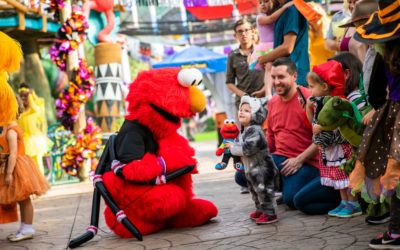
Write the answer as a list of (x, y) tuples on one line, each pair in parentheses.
[(244, 190), (20, 236)]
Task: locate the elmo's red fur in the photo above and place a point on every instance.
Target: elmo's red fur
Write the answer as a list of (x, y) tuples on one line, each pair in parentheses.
[(152, 208)]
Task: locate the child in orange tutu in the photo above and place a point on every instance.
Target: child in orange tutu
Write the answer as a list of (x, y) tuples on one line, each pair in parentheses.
[(19, 176)]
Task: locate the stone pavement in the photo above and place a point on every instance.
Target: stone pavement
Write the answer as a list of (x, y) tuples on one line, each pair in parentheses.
[(64, 213)]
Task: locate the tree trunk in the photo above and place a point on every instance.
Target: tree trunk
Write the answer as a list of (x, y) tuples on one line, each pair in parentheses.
[(33, 74)]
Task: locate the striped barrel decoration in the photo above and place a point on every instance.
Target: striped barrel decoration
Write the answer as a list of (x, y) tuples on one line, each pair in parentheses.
[(108, 94)]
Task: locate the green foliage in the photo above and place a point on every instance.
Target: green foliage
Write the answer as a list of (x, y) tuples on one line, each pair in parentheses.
[(206, 136), (136, 66), (210, 125)]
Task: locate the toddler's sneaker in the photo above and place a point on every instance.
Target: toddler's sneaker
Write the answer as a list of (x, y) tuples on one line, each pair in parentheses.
[(255, 215), (266, 219), (239, 167), (349, 210), (244, 190), (334, 212), (385, 241), (220, 166)]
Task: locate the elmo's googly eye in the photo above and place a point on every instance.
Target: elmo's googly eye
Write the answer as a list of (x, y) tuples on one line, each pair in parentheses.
[(232, 121), (226, 121), (190, 77)]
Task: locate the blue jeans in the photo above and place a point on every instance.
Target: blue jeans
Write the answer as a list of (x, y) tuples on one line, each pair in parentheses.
[(240, 179), (303, 190)]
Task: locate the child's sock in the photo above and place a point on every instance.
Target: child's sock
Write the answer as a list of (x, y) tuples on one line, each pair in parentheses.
[(27, 229), (20, 226)]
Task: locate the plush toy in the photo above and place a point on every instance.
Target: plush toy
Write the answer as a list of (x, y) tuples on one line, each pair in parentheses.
[(149, 183), (344, 115), (229, 132), (340, 113)]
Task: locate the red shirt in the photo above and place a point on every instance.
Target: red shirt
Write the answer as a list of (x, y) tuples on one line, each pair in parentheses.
[(288, 132)]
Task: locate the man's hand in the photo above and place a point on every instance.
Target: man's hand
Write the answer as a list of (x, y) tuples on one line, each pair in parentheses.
[(259, 93), (291, 166)]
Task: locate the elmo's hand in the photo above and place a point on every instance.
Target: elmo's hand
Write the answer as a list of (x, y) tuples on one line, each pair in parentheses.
[(220, 151)]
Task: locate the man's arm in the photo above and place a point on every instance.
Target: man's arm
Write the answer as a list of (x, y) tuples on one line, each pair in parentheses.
[(232, 87), (285, 49)]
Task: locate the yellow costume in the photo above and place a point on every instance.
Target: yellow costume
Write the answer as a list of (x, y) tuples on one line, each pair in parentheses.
[(316, 38), (33, 123)]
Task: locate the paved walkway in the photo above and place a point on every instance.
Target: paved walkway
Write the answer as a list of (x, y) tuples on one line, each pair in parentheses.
[(64, 213)]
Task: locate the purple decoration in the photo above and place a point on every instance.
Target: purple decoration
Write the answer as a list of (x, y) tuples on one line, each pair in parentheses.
[(195, 3), (227, 50), (168, 50)]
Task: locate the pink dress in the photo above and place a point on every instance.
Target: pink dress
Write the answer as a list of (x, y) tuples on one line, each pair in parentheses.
[(266, 32)]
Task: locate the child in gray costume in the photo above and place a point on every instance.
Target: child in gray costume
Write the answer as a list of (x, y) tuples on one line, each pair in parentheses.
[(260, 169)]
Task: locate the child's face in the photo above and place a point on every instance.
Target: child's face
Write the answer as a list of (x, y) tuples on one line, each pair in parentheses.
[(317, 89), (244, 34), (244, 114), (264, 6)]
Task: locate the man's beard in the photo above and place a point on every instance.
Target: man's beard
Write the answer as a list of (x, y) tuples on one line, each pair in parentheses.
[(286, 90)]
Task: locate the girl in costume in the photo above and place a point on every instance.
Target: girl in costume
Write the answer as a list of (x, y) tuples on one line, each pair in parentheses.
[(377, 170), (19, 176), (328, 79), (269, 13), (33, 122)]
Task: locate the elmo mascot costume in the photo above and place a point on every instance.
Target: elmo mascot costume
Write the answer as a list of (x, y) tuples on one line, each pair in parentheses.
[(148, 150)]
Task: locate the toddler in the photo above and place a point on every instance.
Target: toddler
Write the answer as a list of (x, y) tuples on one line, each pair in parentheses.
[(260, 170)]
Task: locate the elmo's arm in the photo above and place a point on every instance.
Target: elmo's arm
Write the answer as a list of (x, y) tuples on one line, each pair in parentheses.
[(221, 148), (141, 166)]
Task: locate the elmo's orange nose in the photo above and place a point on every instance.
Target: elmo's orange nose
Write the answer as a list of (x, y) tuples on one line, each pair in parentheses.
[(197, 100)]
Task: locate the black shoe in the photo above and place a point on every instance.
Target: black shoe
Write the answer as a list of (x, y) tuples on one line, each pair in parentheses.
[(377, 220), (385, 241)]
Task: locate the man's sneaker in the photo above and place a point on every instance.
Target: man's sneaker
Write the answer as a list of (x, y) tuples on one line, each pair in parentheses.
[(349, 211), (377, 220), (255, 215), (334, 212), (385, 241), (244, 190), (220, 166), (266, 219)]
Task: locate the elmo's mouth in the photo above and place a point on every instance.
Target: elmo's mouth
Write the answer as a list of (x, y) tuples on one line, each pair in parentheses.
[(230, 131), (165, 114)]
